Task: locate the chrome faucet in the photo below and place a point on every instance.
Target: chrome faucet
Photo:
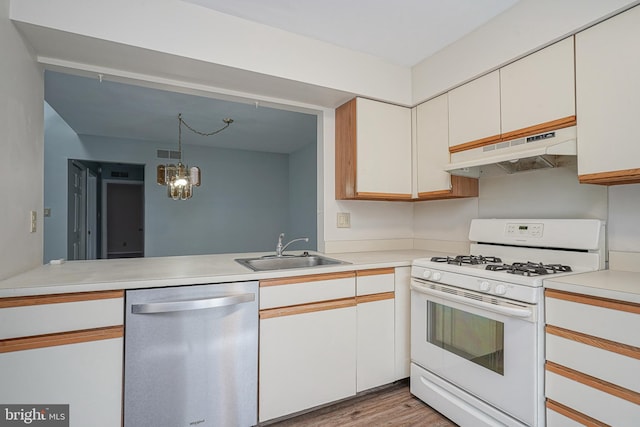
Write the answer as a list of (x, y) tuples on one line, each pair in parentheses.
[(280, 248)]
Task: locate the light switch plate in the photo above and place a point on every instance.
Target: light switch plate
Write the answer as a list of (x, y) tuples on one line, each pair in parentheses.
[(34, 221), (344, 220)]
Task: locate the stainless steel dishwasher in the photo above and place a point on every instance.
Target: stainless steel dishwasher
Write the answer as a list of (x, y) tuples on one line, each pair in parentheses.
[(191, 356)]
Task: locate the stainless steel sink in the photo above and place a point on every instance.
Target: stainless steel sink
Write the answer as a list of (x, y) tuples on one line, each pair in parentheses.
[(272, 262)]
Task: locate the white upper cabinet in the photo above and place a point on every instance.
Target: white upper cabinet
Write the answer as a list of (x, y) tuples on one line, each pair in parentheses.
[(432, 147), (474, 110), (538, 89), (608, 100), (373, 151)]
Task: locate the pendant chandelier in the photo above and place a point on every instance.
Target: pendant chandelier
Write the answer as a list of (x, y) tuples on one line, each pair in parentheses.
[(180, 179)]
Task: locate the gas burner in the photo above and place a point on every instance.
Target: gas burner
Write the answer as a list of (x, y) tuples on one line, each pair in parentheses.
[(467, 259), (530, 268)]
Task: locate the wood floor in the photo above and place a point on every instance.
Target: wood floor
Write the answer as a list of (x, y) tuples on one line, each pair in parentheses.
[(392, 405)]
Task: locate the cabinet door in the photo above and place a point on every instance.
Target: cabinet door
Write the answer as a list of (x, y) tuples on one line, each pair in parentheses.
[(432, 145), (538, 91), (375, 361), (373, 151), (608, 100), (376, 328), (306, 359), (383, 148), (87, 376), (474, 111)]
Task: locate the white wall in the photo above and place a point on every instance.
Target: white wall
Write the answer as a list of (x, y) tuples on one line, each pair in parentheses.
[(21, 94), (525, 27), (242, 205), (624, 218), (185, 30)]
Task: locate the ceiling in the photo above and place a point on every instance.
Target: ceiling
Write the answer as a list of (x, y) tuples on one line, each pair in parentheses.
[(404, 34), (116, 110)]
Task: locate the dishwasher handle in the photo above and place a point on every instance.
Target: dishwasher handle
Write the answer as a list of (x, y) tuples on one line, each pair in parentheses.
[(188, 305)]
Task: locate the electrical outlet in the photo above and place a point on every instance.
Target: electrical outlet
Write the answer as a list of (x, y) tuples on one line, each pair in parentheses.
[(344, 220), (34, 221)]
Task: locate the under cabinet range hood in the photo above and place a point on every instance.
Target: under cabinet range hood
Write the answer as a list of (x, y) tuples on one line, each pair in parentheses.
[(544, 150)]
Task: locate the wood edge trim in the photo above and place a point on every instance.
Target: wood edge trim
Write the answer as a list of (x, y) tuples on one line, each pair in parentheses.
[(612, 304), (310, 278), (624, 176), (601, 343), (363, 195), (24, 301), (461, 186), (345, 150), (542, 127), (60, 338), (376, 271), (518, 133), (593, 382), (362, 299), (476, 143), (573, 414), (307, 308)]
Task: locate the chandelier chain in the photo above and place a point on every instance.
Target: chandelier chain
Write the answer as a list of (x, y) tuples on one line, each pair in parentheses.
[(226, 121)]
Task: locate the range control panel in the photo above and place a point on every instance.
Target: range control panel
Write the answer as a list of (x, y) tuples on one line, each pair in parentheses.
[(524, 230)]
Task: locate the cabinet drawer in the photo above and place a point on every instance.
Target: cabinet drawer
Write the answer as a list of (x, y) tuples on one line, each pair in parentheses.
[(597, 362), (38, 315), (592, 402), (306, 289), (375, 281), (590, 317)]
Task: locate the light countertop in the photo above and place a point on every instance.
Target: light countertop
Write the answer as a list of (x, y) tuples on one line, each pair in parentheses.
[(613, 284), (99, 275)]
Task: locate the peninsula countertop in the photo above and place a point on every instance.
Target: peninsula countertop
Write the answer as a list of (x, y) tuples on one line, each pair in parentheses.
[(129, 273)]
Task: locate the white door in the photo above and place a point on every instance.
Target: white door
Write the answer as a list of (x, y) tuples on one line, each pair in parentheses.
[(76, 237), (92, 215)]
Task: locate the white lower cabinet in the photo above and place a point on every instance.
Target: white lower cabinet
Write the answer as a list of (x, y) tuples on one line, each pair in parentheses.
[(376, 328), (64, 349), (324, 338), (87, 376), (592, 360), (306, 360)]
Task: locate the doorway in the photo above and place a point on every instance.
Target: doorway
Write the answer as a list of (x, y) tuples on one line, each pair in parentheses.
[(124, 219), (105, 210)]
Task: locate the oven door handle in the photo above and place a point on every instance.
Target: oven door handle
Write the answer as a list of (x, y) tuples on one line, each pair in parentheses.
[(508, 311)]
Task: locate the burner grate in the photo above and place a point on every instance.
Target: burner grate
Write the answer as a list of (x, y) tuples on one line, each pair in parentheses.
[(530, 268), (467, 259)]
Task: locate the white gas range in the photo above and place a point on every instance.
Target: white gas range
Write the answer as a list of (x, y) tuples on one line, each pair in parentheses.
[(477, 341)]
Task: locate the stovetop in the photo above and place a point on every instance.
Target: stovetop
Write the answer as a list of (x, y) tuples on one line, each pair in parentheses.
[(493, 263)]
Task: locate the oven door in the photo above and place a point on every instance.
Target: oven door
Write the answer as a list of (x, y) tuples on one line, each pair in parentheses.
[(486, 346)]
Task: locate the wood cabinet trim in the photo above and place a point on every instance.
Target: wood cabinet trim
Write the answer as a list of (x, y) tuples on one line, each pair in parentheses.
[(60, 338), (612, 304), (604, 344), (477, 143), (461, 186), (375, 271), (345, 144), (518, 133), (307, 308), (593, 382), (573, 414), (362, 299), (625, 176), (362, 195), (549, 126), (24, 301), (310, 278)]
